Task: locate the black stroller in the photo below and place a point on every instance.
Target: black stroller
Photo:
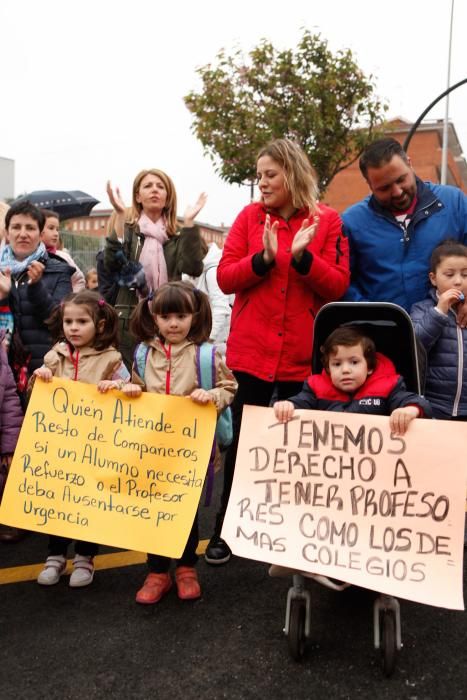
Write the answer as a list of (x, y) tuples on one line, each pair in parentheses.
[(391, 329)]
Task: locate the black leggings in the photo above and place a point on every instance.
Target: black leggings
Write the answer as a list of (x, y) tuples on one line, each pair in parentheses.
[(254, 392), (160, 565), (59, 545)]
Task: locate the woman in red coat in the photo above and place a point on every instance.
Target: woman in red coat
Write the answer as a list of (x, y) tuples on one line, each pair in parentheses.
[(284, 257)]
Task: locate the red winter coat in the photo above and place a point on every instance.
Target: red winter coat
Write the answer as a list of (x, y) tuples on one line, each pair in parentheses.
[(271, 332), (382, 392)]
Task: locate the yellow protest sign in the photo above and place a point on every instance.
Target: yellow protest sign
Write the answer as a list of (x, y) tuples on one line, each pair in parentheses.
[(337, 494), (104, 468)]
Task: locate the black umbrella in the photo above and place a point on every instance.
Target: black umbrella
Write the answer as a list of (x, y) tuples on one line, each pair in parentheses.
[(67, 204)]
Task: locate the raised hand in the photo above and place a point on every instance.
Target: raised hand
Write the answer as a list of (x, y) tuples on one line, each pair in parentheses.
[(461, 312), (192, 210), (115, 198), (270, 240), (35, 271), (5, 282), (303, 237), (448, 298)]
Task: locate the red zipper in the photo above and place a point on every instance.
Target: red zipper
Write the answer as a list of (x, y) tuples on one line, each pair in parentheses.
[(74, 362)]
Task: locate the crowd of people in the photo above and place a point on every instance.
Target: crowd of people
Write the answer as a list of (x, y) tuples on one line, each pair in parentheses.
[(285, 256)]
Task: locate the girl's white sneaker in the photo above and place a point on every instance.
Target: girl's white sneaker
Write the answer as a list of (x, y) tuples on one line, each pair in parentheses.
[(54, 567), (83, 571)]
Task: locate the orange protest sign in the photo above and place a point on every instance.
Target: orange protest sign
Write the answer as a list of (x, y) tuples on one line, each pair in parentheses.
[(108, 469), (337, 494)]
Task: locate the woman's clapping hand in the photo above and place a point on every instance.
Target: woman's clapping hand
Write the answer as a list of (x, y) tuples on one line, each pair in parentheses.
[(303, 237), (35, 272), (270, 240)]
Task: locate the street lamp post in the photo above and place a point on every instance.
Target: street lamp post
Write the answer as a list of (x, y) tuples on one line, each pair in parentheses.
[(444, 153)]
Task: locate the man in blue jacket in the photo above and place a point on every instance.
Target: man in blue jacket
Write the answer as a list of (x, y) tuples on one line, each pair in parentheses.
[(393, 232)]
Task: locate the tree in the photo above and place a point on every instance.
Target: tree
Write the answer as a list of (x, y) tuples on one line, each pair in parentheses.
[(322, 101)]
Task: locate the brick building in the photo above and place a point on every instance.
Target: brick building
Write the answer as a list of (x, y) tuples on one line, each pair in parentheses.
[(424, 150), (95, 226)]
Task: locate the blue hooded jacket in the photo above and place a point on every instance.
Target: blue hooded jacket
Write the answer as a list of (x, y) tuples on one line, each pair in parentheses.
[(388, 266), (446, 346)]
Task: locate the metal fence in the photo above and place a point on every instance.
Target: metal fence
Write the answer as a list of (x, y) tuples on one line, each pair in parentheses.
[(83, 249)]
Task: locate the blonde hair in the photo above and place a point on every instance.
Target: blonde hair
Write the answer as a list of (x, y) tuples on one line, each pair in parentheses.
[(299, 174), (170, 209), (113, 218)]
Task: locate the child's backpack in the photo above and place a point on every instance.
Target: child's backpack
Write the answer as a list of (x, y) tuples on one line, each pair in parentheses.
[(206, 373)]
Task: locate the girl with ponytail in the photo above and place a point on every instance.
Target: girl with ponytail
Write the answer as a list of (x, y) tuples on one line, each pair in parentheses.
[(171, 325)]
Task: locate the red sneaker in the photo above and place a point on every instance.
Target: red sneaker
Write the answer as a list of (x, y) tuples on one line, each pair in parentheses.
[(154, 587), (188, 587)]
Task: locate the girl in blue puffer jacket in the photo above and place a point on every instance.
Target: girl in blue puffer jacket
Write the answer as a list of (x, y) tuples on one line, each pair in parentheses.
[(435, 322)]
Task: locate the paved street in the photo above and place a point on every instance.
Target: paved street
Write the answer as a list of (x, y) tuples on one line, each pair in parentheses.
[(96, 643)]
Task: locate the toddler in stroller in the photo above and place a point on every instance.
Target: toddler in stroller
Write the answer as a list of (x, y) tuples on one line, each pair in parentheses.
[(356, 378)]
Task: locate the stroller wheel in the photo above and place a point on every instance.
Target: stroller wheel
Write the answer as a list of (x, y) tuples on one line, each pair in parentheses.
[(388, 643), (296, 636)]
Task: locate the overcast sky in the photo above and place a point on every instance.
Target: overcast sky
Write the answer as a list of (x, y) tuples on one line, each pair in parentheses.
[(93, 90)]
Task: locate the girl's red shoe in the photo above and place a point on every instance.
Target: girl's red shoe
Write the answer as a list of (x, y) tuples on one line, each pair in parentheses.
[(154, 587), (188, 587)]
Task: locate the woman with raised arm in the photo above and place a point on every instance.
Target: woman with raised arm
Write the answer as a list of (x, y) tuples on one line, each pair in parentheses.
[(284, 257), (144, 249)]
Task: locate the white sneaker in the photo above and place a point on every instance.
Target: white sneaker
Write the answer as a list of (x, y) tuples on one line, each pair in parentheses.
[(54, 567), (83, 571)]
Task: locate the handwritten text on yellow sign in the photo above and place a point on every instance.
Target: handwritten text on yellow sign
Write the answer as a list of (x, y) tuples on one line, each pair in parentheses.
[(105, 468)]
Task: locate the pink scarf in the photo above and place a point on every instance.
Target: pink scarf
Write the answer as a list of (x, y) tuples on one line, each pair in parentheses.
[(152, 255)]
